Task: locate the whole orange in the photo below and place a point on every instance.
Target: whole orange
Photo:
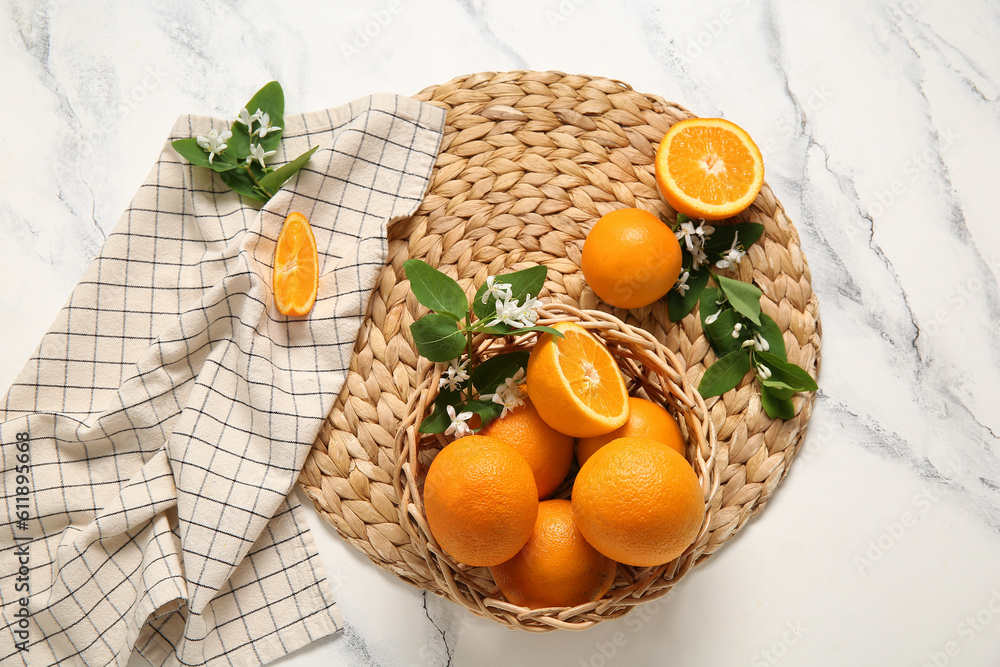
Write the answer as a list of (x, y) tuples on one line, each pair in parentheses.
[(646, 419), (557, 567), (547, 451), (630, 258), (638, 502), (480, 499)]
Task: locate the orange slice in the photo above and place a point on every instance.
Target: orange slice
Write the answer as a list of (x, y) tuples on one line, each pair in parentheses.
[(575, 384), (295, 280), (708, 168)]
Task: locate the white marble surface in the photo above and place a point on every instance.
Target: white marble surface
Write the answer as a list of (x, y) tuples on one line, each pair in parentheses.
[(880, 127)]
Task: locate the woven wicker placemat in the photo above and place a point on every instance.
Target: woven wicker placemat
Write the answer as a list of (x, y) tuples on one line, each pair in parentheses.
[(529, 161)]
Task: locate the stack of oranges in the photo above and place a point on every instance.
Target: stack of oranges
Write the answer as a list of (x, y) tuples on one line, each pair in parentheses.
[(635, 499)]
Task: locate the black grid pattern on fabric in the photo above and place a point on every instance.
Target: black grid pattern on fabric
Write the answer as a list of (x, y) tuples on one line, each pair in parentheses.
[(170, 406)]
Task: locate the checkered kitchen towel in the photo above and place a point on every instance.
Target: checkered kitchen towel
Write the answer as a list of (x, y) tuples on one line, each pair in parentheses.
[(170, 408)]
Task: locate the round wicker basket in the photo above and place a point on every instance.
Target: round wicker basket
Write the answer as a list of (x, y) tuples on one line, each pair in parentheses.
[(529, 161)]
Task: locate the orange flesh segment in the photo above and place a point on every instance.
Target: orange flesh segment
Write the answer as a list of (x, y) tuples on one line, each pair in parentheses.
[(590, 372), (711, 165), (296, 267)]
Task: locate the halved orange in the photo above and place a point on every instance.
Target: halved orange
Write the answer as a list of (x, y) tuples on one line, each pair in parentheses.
[(575, 384), (295, 280), (708, 168)]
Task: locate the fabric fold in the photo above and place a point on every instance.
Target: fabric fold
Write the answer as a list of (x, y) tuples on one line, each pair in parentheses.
[(170, 408)]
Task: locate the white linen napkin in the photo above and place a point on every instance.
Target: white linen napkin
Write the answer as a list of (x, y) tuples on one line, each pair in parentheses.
[(150, 445)]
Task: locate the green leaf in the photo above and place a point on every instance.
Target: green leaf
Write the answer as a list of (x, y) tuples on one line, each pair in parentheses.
[(435, 290), (438, 421), (679, 306), (507, 330), (522, 283), (437, 337), (490, 374), (240, 182), (724, 374), (778, 389), (786, 372), (196, 155), (271, 100), (770, 332), (720, 332), (487, 411), (775, 407), (272, 181), (720, 241), (744, 297)]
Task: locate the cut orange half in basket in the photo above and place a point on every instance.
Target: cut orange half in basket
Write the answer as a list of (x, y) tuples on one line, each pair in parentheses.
[(708, 168), (295, 280), (575, 384)]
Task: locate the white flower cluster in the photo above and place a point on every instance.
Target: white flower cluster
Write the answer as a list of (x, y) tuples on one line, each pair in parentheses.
[(693, 239), (454, 376), (264, 127), (508, 311), (459, 426), (733, 255), (213, 142), (509, 393)]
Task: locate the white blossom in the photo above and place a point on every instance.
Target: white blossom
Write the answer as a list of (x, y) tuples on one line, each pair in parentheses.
[(508, 394), (736, 330), (527, 314), (495, 290), (733, 255), (693, 239), (247, 119), (454, 376), (459, 426), (682, 283), (511, 313), (214, 142), (714, 316), (258, 153), (763, 372), (265, 125)]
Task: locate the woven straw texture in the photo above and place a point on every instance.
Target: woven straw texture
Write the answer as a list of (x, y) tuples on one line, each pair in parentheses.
[(529, 162)]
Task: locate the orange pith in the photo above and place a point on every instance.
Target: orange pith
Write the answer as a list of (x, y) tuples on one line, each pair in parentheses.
[(708, 168), (295, 279), (575, 384)]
